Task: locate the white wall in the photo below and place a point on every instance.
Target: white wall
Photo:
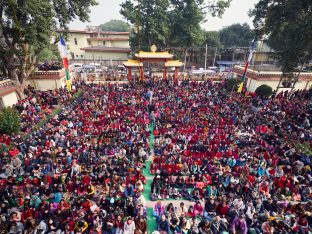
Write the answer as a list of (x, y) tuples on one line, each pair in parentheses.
[(46, 84), (122, 44), (10, 99), (81, 42), (252, 85)]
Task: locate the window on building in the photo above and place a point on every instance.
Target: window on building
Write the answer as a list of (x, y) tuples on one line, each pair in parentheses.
[(76, 42), (77, 56), (89, 42), (103, 42), (81, 56)]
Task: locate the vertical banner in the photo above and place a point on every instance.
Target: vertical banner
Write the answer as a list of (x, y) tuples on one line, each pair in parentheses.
[(63, 50), (240, 88)]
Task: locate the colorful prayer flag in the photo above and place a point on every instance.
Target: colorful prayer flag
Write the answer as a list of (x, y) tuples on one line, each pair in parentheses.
[(63, 49), (240, 88)]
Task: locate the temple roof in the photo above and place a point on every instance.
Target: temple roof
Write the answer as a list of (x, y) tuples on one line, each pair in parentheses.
[(153, 55), (174, 63), (133, 63)]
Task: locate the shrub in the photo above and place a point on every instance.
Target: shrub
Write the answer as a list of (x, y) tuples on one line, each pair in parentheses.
[(232, 84), (9, 121), (264, 91)]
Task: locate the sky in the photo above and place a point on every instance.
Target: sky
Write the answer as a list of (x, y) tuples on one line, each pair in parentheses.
[(109, 9)]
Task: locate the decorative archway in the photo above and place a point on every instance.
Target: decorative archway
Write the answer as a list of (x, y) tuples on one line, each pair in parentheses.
[(153, 57)]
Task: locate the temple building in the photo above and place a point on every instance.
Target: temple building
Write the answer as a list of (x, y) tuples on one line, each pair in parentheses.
[(259, 75), (95, 46), (10, 93)]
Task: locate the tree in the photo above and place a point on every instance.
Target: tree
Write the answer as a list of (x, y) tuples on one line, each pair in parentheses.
[(264, 91), (236, 35), (152, 18), (115, 26), (287, 25), (49, 53), (232, 84), (9, 121), (185, 19), (166, 23), (212, 38), (25, 30)]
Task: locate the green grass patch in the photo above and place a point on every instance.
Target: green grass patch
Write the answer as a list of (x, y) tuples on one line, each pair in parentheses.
[(304, 148), (146, 170), (151, 222), (147, 190), (152, 137)]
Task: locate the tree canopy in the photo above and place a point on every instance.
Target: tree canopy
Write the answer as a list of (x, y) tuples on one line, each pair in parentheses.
[(212, 38), (170, 22), (236, 35), (26, 27), (152, 18), (9, 121), (49, 53), (184, 24), (287, 25), (264, 91), (115, 26)]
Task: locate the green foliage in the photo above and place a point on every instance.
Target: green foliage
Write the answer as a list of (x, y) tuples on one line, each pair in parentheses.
[(49, 53), (185, 20), (212, 38), (217, 8), (236, 35), (169, 23), (264, 91), (26, 26), (152, 20), (288, 24), (232, 84), (115, 26), (9, 121)]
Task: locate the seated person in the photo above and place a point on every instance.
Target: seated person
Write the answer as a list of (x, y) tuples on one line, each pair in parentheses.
[(179, 182), (198, 209)]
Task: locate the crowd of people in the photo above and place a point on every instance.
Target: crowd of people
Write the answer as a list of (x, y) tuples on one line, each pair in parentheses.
[(82, 172), (53, 66), (240, 167), (39, 104)]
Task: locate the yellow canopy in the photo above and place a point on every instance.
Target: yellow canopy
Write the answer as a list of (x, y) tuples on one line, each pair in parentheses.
[(133, 63), (174, 63)]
